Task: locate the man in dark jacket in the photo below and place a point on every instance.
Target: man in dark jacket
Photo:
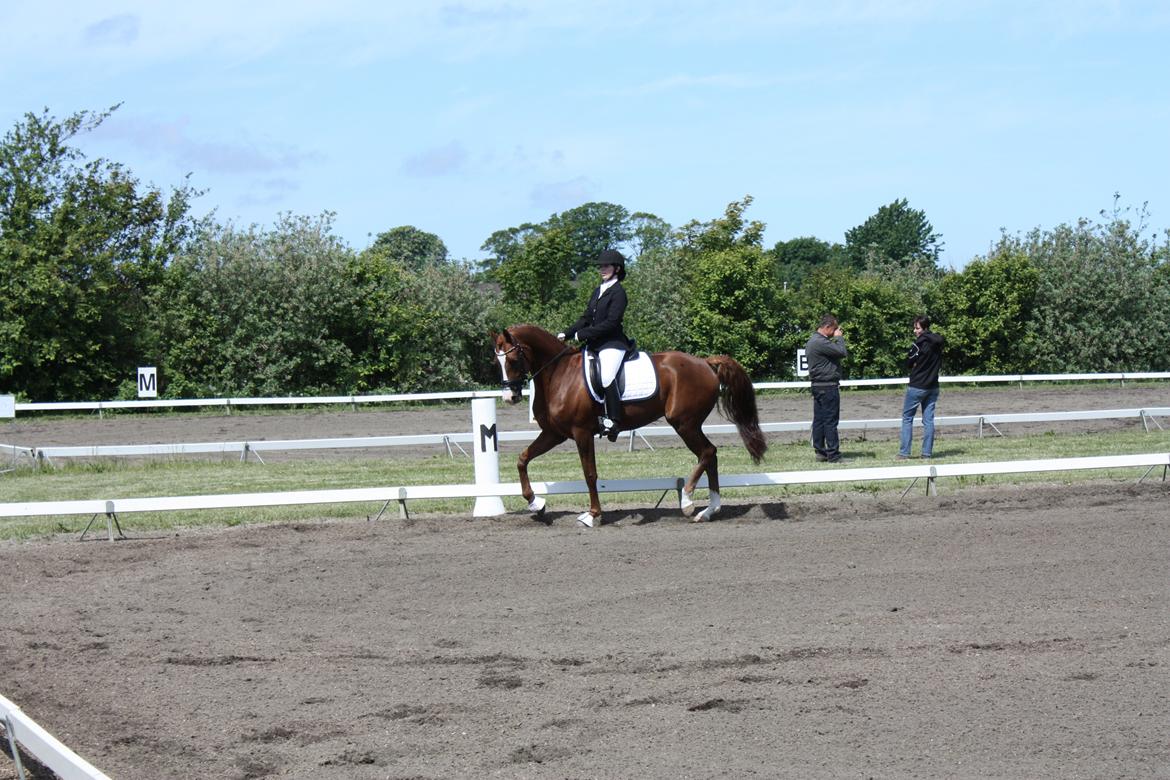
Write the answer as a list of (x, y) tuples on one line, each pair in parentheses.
[(824, 352), (925, 360)]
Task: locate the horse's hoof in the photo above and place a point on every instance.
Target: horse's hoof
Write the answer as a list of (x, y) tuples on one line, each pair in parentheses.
[(688, 510), (537, 506), (588, 520)]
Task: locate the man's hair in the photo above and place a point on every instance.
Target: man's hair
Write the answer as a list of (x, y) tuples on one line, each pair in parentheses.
[(828, 321), (922, 320)]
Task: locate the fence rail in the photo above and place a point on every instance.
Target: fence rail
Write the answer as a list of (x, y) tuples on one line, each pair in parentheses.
[(242, 449), (406, 493), (48, 749), (353, 400)]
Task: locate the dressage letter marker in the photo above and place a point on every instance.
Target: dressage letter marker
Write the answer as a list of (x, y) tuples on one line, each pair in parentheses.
[(487, 455), (147, 382)]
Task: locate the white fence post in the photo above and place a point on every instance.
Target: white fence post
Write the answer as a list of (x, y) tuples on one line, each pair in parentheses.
[(487, 455)]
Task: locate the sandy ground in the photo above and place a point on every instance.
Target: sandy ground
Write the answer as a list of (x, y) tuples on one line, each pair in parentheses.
[(1006, 632)]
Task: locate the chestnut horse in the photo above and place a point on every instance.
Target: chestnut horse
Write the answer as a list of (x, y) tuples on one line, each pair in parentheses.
[(688, 388)]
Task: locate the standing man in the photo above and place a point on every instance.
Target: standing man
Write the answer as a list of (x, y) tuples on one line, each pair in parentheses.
[(824, 352), (925, 360)]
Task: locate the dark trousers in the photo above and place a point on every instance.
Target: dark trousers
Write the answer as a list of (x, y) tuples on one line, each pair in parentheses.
[(826, 415)]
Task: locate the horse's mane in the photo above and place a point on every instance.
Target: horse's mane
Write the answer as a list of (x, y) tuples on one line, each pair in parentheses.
[(536, 337)]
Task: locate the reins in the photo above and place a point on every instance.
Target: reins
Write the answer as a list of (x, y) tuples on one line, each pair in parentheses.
[(555, 359)]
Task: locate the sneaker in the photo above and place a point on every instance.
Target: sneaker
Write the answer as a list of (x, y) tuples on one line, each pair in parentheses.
[(900, 456), (822, 458), (926, 457)]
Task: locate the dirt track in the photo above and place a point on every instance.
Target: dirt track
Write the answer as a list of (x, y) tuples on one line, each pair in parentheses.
[(983, 633)]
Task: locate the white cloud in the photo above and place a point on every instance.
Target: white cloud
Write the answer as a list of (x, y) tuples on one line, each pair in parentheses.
[(120, 30), (173, 141), (438, 161), (561, 195)]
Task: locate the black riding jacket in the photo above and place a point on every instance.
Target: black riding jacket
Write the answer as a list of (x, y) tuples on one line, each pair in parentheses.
[(600, 327)]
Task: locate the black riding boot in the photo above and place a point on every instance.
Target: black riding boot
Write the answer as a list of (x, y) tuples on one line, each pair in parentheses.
[(613, 410)]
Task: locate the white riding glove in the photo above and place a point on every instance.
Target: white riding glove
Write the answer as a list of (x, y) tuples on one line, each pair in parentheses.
[(561, 336)]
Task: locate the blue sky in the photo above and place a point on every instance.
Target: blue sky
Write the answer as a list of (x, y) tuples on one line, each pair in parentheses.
[(462, 118)]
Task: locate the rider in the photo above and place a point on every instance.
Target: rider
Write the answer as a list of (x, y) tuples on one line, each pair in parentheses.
[(600, 327)]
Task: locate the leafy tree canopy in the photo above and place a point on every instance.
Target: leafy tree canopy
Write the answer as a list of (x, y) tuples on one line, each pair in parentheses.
[(896, 232), (81, 242), (415, 248)]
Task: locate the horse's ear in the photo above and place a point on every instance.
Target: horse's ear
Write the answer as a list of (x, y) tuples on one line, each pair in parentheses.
[(507, 337)]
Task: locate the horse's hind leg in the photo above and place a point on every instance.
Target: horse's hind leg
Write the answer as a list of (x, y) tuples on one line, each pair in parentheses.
[(705, 451)]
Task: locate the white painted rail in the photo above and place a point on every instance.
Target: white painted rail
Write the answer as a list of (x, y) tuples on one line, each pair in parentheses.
[(242, 448), (44, 746), (354, 400), (114, 506)]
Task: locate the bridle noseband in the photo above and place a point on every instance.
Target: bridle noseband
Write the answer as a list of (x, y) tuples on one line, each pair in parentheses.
[(515, 386)]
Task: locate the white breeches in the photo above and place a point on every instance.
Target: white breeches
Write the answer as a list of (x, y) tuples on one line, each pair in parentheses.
[(611, 362)]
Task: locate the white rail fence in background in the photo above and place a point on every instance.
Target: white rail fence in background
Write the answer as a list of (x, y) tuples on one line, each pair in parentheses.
[(243, 449), (47, 749), (353, 400), (113, 506)]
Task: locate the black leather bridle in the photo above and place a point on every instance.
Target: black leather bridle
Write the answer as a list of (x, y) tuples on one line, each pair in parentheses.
[(516, 386)]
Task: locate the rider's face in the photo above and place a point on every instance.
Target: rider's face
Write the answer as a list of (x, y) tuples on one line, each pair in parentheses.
[(606, 272)]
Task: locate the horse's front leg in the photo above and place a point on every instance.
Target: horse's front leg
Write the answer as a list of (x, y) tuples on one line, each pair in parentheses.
[(584, 439), (543, 443)]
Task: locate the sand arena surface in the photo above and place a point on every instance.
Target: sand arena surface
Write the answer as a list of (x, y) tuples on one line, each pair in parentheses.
[(1005, 632)]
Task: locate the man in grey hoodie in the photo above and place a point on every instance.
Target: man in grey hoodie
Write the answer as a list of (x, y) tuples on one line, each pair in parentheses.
[(824, 352)]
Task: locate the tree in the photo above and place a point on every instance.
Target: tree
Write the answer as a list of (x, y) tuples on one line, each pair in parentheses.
[(259, 312), (657, 314), (732, 301), (727, 232), (415, 248), (874, 313), (648, 233), (795, 259), (1101, 300), (81, 243), (735, 307), (591, 228), (417, 330), (536, 283), (503, 246), (984, 312), (896, 232)]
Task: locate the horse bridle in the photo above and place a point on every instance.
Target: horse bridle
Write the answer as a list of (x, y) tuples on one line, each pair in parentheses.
[(517, 385)]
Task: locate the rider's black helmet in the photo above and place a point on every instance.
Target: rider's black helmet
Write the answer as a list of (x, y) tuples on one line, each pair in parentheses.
[(614, 258)]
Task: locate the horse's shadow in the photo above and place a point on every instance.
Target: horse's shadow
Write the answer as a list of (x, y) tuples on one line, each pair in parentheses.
[(733, 512)]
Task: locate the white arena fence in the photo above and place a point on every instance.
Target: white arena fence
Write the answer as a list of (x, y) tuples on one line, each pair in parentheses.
[(928, 471), (1148, 417), (353, 400), (47, 749)]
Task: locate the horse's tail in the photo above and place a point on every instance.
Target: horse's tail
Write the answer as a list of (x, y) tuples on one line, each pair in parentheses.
[(737, 399)]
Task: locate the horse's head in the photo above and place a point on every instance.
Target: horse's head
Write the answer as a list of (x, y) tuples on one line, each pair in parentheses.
[(515, 364)]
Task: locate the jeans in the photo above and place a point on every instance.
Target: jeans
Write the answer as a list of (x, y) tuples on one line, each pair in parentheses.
[(826, 415), (916, 397)]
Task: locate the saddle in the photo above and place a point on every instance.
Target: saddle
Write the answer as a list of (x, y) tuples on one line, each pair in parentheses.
[(636, 380)]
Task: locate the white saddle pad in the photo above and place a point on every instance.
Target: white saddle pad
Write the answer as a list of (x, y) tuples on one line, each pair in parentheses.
[(641, 381)]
